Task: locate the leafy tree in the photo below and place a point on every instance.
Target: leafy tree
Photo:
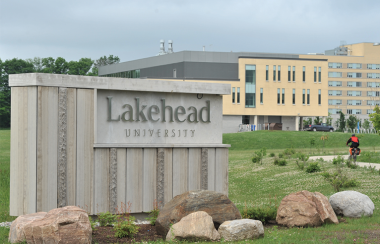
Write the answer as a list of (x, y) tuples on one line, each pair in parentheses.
[(48, 64), (80, 67), (329, 119), (342, 121), (366, 124), (102, 61), (14, 66), (307, 122), (317, 120), (37, 64), (61, 66), (375, 118), (352, 122)]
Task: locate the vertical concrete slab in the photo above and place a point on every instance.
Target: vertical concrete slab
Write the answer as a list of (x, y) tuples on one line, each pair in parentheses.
[(113, 180), (121, 189), (71, 147), (211, 169), (62, 147), (204, 169), (101, 178), (31, 178), (85, 151), (47, 148), (168, 175), (180, 170), (16, 185), (160, 177), (221, 158), (135, 179), (149, 178), (195, 168)]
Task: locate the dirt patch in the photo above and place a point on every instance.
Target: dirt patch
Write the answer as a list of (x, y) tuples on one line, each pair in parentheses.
[(107, 235)]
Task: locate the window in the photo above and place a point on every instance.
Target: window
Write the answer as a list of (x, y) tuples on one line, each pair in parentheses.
[(233, 94), (289, 74), (334, 111), (373, 93), (335, 93), (354, 66), (354, 93), (283, 95), (370, 111), (373, 84), (373, 75), (373, 103), (335, 74), (279, 73), (267, 73), (303, 96), (349, 111), (278, 95), (250, 86), (354, 75), (303, 73), (261, 96), (354, 84), (308, 96), (354, 102), (238, 95), (373, 66), (335, 102), (319, 97), (319, 74), (335, 83), (294, 73), (315, 74), (335, 65), (274, 72), (294, 96), (174, 73), (126, 74)]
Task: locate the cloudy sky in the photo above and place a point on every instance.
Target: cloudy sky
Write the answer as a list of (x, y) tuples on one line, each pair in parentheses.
[(73, 29)]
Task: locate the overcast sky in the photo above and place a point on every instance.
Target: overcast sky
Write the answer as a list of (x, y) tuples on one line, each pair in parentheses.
[(73, 29)]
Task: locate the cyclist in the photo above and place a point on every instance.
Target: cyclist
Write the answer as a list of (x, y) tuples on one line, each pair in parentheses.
[(354, 143)]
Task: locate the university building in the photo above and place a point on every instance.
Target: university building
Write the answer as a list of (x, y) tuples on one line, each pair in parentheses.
[(272, 87)]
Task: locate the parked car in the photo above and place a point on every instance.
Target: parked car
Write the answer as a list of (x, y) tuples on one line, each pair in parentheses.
[(321, 127)]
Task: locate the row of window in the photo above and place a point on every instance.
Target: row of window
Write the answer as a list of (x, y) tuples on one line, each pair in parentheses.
[(353, 102), (353, 66), (354, 75), (126, 74), (354, 93), (349, 111), (292, 73), (354, 84)]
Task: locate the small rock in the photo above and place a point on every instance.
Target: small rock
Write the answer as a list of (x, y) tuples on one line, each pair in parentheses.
[(196, 226), (241, 229), (217, 205), (352, 204)]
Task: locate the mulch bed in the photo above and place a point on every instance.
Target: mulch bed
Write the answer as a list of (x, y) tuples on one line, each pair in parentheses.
[(107, 235)]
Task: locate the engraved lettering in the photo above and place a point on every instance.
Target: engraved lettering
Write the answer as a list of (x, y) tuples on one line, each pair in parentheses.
[(156, 111), (207, 108), (151, 132), (163, 111), (194, 114), (130, 112), (185, 132), (137, 132), (179, 133), (128, 132), (177, 112), (158, 132), (144, 132), (138, 112), (110, 110), (192, 133), (173, 132), (166, 133)]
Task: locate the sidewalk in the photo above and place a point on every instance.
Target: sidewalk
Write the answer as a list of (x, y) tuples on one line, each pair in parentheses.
[(330, 158)]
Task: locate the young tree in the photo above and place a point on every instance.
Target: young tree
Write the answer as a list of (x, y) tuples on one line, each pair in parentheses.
[(352, 122), (329, 119), (375, 118), (317, 120), (80, 67), (366, 124), (48, 64), (60, 66), (342, 121)]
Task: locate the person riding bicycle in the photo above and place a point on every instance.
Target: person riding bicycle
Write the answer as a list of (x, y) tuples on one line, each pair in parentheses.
[(354, 143)]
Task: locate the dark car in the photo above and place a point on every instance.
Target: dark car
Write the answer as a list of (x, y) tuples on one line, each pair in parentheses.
[(321, 127)]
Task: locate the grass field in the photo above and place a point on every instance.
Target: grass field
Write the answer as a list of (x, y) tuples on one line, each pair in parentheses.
[(259, 185)]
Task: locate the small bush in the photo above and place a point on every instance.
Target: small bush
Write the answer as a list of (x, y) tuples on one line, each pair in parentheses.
[(271, 155), (106, 218), (338, 160), (351, 183), (92, 222), (280, 162), (303, 157), (289, 151), (338, 180), (126, 227), (280, 155), (301, 165), (153, 214), (351, 165), (255, 159), (313, 167)]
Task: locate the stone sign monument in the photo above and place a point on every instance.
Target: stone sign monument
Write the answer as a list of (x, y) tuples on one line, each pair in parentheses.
[(100, 143)]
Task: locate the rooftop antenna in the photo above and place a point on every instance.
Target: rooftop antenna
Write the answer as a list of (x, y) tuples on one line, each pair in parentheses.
[(170, 48)]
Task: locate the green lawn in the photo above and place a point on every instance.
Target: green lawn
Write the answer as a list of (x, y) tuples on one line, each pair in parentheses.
[(259, 185)]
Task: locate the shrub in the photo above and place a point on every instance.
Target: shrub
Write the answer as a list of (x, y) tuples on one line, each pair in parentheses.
[(289, 151), (106, 218), (280, 155), (303, 157), (280, 162), (126, 227), (258, 157), (313, 167), (301, 165), (271, 155), (338, 180), (92, 222), (351, 165), (255, 159), (153, 214), (338, 160), (264, 214)]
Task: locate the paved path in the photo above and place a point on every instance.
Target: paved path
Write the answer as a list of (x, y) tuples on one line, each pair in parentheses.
[(330, 158)]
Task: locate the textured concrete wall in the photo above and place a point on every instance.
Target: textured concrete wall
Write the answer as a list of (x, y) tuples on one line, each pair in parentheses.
[(231, 123), (289, 123)]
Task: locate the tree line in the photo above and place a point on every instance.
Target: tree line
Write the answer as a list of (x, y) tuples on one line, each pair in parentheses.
[(85, 66)]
